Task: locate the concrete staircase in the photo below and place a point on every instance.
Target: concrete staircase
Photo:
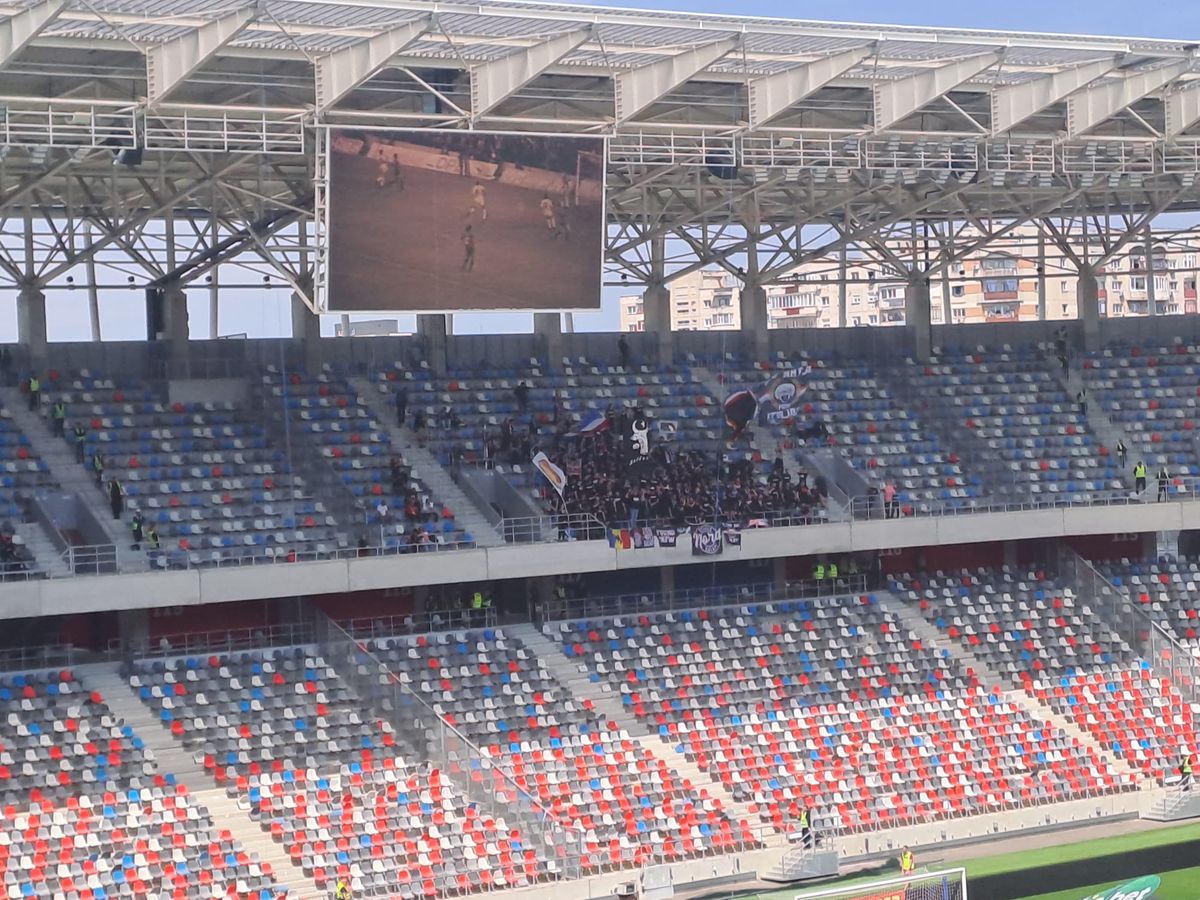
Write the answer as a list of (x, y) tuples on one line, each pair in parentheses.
[(47, 556), (59, 458), (172, 759), (1172, 804), (1104, 430), (929, 635), (426, 467), (577, 684)]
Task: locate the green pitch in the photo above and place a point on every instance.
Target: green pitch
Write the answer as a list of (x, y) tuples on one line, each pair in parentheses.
[(1181, 884)]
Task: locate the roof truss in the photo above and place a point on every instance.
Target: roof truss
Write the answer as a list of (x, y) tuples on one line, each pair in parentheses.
[(17, 31), (495, 81), (775, 94), (169, 64), (340, 72), (1096, 104), (1015, 103), (897, 100), (640, 88)]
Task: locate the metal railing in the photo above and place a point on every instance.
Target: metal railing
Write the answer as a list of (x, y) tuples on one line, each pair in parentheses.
[(419, 622), (217, 641), (1182, 490), (481, 777), (552, 529), (570, 608), (91, 559)]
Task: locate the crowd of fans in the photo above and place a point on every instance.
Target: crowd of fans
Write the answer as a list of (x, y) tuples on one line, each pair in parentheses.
[(610, 480)]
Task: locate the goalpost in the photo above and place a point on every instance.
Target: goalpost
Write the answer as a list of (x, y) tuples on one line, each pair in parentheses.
[(945, 884)]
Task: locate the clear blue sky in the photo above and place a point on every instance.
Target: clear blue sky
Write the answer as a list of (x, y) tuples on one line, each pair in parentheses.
[(266, 314)]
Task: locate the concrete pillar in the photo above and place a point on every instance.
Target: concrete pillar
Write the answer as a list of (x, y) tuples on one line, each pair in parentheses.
[(1151, 291), (31, 323), (656, 310), (1087, 298), (1041, 275), (667, 579), (433, 330), (548, 327), (842, 321), (306, 327), (133, 628), (753, 302), (779, 574), (171, 341), (916, 316)]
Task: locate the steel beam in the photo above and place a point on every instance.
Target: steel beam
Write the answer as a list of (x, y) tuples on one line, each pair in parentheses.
[(899, 99), (1183, 109), (495, 81), (1100, 102), (169, 64), (340, 72), (18, 30), (774, 94), (639, 88), (1013, 104)]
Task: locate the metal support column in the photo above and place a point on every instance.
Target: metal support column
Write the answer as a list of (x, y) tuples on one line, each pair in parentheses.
[(916, 315), (1041, 275), (1087, 296), (1151, 290), (752, 300), (656, 305)]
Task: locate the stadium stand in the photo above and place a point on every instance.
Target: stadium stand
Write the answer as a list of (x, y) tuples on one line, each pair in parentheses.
[(1013, 403), (86, 814), (1149, 393), (334, 422), (204, 474), (831, 706), (1037, 635), (878, 434)]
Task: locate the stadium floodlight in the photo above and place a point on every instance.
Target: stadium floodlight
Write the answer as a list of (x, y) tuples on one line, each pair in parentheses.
[(946, 884)]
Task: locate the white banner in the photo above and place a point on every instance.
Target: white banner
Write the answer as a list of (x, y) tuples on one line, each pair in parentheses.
[(556, 476)]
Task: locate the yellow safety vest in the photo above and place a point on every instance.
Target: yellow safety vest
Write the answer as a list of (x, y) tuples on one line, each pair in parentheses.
[(906, 862), (819, 572), (1139, 471), (477, 601), (1187, 766), (833, 570)]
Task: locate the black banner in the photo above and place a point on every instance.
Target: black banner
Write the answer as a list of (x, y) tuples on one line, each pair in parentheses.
[(733, 537), (666, 537), (706, 540)]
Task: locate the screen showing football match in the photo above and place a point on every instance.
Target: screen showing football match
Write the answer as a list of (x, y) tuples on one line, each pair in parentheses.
[(445, 221)]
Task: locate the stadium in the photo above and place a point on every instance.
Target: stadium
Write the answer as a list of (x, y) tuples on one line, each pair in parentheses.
[(769, 606)]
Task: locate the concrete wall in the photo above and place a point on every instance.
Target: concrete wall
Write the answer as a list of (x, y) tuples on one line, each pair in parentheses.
[(219, 585)]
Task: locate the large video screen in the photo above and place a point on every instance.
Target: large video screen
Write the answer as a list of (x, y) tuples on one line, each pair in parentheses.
[(422, 221)]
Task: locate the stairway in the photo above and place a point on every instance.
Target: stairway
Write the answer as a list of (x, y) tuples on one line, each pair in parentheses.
[(607, 705), (70, 475), (171, 758), (1102, 428), (426, 467), (46, 555), (928, 634)]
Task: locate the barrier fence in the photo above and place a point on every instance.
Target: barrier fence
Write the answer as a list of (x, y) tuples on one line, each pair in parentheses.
[(482, 780)]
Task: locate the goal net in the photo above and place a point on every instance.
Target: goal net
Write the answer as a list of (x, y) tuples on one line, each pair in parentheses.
[(947, 884)]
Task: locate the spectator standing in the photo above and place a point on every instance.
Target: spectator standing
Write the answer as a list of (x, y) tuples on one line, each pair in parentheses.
[(1082, 400), (1163, 477), (1122, 452), (116, 497), (60, 418), (623, 351), (890, 505), (521, 392), (35, 392), (80, 442), (1139, 476), (401, 406), (1062, 361)]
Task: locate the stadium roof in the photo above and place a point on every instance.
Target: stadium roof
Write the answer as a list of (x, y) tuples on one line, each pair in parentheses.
[(712, 119)]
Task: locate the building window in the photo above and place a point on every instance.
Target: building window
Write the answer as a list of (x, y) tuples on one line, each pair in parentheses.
[(1000, 285), (958, 290), (856, 299), (958, 314), (873, 319)]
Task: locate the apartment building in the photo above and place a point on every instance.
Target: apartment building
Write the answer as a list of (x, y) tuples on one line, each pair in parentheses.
[(997, 284)]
